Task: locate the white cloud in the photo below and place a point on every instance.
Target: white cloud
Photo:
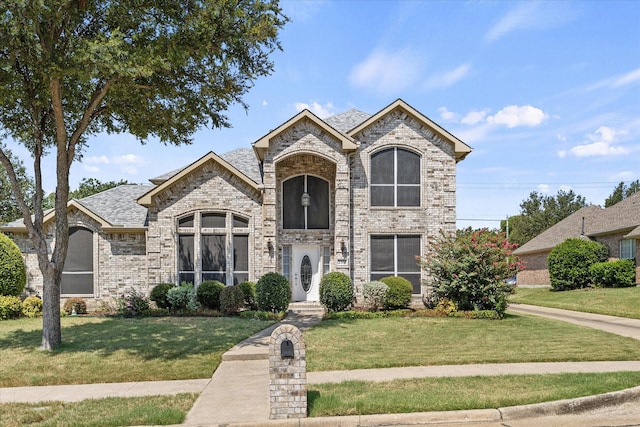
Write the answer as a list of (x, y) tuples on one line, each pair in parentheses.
[(602, 143), (519, 18), (447, 115), (387, 72), (265, 103), (448, 78), (617, 81), (544, 188), (531, 15), (316, 108), (562, 153), (514, 116), (126, 163), (474, 117)]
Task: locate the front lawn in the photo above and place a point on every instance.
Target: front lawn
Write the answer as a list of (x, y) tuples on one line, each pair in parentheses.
[(622, 302), (419, 341), (101, 349)]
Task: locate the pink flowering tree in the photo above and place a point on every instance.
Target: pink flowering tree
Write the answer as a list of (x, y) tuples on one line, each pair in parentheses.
[(470, 269)]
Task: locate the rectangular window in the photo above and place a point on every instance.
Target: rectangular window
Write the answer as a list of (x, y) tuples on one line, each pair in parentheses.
[(395, 255), (286, 262), (326, 260), (240, 259), (628, 249), (185, 261), (395, 178), (214, 258)]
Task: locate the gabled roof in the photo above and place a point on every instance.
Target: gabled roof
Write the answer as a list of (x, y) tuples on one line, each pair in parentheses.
[(461, 149), (147, 198), (346, 121), (623, 217), (262, 145)]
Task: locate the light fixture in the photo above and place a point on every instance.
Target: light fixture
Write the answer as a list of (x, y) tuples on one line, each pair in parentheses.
[(305, 200), (343, 248), (270, 245)]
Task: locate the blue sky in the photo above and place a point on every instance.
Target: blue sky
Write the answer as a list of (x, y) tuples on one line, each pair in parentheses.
[(547, 93)]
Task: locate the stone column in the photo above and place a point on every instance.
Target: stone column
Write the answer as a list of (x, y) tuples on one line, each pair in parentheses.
[(287, 373)]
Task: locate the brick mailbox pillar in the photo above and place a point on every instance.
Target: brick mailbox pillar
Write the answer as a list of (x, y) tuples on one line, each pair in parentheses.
[(287, 373)]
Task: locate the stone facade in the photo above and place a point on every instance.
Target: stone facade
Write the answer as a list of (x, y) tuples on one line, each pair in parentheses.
[(287, 374)]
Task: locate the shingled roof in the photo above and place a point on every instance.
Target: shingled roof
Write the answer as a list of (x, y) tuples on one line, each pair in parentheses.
[(118, 205), (619, 218), (346, 121)]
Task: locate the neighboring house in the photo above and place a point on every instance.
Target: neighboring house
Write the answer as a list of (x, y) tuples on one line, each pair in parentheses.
[(356, 193), (618, 227)]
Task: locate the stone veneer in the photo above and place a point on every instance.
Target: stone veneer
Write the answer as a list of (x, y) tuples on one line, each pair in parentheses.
[(287, 376)]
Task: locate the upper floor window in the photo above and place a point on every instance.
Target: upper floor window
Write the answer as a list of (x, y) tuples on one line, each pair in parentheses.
[(395, 178), (305, 203), (628, 249)]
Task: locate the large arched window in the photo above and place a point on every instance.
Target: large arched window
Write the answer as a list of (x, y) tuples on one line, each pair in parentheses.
[(305, 203), (395, 178), (77, 275)]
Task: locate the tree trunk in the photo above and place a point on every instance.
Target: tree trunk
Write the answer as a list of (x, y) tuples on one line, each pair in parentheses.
[(51, 330)]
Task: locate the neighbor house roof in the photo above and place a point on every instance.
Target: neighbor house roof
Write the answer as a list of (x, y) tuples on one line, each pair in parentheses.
[(623, 217)]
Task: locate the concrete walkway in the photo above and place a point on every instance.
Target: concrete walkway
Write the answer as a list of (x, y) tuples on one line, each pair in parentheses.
[(237, 394)]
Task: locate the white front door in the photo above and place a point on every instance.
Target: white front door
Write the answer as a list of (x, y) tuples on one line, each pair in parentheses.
[(306, 271)]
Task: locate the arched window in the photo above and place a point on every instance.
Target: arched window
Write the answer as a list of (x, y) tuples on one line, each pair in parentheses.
[(305, 203), (395, 178), (77, 275)]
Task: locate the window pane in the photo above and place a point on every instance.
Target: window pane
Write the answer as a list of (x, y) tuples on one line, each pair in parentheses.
[(408, 249), (240, 277), (382, 167), (186, 221), (213, 220), (241, 253), (76, 283), (415, 281), (80, 250), (627, 249), (186, 278), (382, 253), (292, 210), (213, 253), (378, 276), (220, 277), (185, 252), (286, 268), (409, 196), (408, 167), (240, 222), (318, 210), (381, 196)]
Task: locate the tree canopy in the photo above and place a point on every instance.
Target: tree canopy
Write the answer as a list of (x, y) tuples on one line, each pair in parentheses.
[(621, 192), (70, 69), (86, 188), (9, 209)]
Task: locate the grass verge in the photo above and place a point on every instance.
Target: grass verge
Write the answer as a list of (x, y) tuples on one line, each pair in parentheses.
[(622, 302), (458, 393), (99, 349), (394, 342), (114, 411)]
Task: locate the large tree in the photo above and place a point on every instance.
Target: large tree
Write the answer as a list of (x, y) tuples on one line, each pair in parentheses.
[(539, 212), (9, 209), (621, 192), (70, 69)]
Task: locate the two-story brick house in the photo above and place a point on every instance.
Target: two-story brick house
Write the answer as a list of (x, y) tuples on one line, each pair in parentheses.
[(357, 193)]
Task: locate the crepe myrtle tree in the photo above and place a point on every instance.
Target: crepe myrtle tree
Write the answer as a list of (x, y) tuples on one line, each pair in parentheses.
[(70, 69)]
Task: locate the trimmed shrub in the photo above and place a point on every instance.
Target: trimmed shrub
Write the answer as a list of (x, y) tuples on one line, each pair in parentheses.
[(10, 307), (32, 307), (208, 294), (249, 292), (336, 291), (182, 299), (231, 299), (619, 273), (13, 273), (159, 294), (374, 293), (570, 260), (133, 304), (75, 304), (273, 292), (399, 293)]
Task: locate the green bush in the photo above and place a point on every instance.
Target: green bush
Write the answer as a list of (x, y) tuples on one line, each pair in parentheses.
[(208, 294), (159, 294), (570, 260), (133, 304), (182, 299), (231, 299), (249, 292), (10, 307), (273, 292), (620, 273), (398, 295), (75, 304), (336, 291), (374, 293), (13, 273), (32, 306)]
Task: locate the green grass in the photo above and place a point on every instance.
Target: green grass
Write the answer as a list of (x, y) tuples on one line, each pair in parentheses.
[(393, 342), (623, 302), (114, 411), (100, 349), (458, 393)]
